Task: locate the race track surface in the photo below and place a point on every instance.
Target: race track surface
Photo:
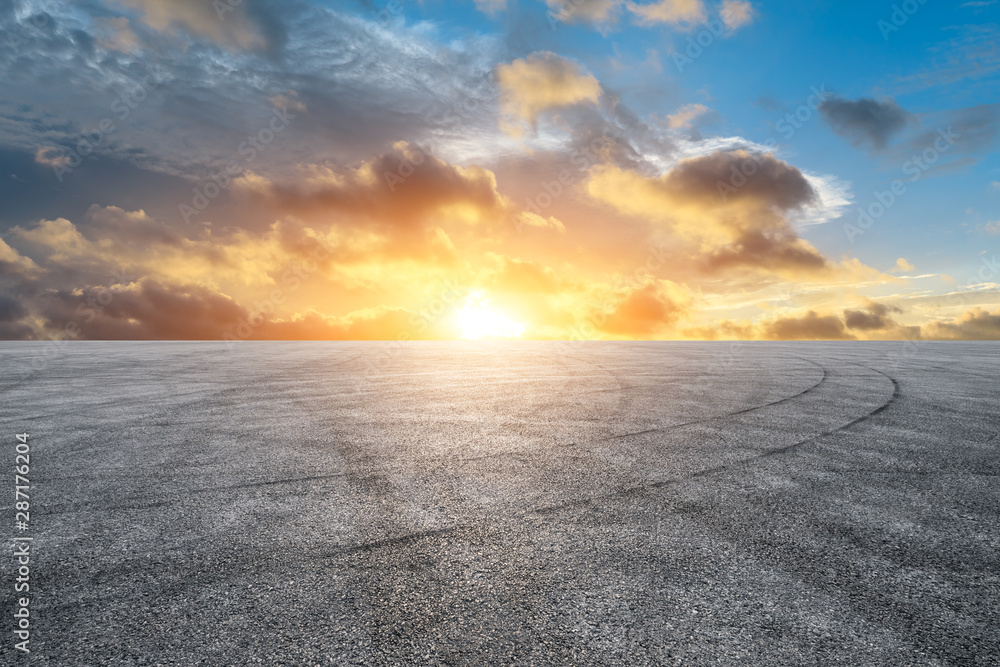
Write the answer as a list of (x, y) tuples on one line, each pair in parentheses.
[(498, 503)]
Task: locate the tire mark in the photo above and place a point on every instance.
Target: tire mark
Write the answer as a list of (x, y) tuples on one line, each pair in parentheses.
[(399, 540), (644, 488), (764, 454), (171, 498), (672, 427), (639, 489), (896, 393)]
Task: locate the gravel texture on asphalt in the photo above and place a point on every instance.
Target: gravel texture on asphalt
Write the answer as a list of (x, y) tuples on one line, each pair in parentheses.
[(507, 503)]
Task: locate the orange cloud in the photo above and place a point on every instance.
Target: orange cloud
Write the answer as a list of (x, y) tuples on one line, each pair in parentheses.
[(541, 82), (686, 13), (647, 311)]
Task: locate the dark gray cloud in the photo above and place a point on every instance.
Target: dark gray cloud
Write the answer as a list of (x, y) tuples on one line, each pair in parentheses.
[(772, 251), (865, 121), (875, 317), (772, 182), (11, 309), (358, 86), (148, 310)]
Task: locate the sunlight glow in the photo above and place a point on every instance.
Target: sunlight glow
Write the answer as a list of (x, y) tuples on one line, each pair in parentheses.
[(478, 320)]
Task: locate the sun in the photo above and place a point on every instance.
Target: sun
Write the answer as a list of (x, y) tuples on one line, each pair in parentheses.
[(477, 319)]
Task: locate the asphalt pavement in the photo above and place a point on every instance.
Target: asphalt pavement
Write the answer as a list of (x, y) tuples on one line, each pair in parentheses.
[(497, 503)]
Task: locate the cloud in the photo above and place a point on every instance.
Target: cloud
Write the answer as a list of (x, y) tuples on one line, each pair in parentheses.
[(779, 251), (399, 191), (15, 265), (197, 284), (246, 25), (13, 315), (144, 310), (153, 310), (521, 277), (116, 34), (288, 102), (51, 156), (736, 14), (992, 228), (191, 288), (871, 321), (902, 266), (732, 211), (741, 226), (975, 324), (874, 317), (373, 84), (584, 11), (681, 13), (375, 323), (534, 220), (491, 7), (971, 130), (694, 184), (811, 326), (544, 81), (865, 121), (969, 55), (685, 116), (646, 311)]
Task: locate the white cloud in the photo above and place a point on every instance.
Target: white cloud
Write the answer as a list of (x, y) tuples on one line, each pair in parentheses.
[(736, 13), (834, 196), (491, 6)]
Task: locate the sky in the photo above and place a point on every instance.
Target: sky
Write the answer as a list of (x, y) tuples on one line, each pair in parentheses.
[(533, 169)]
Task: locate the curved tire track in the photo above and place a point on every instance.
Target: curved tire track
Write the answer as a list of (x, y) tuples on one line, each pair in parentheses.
[(645, 487), (704, 420)]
